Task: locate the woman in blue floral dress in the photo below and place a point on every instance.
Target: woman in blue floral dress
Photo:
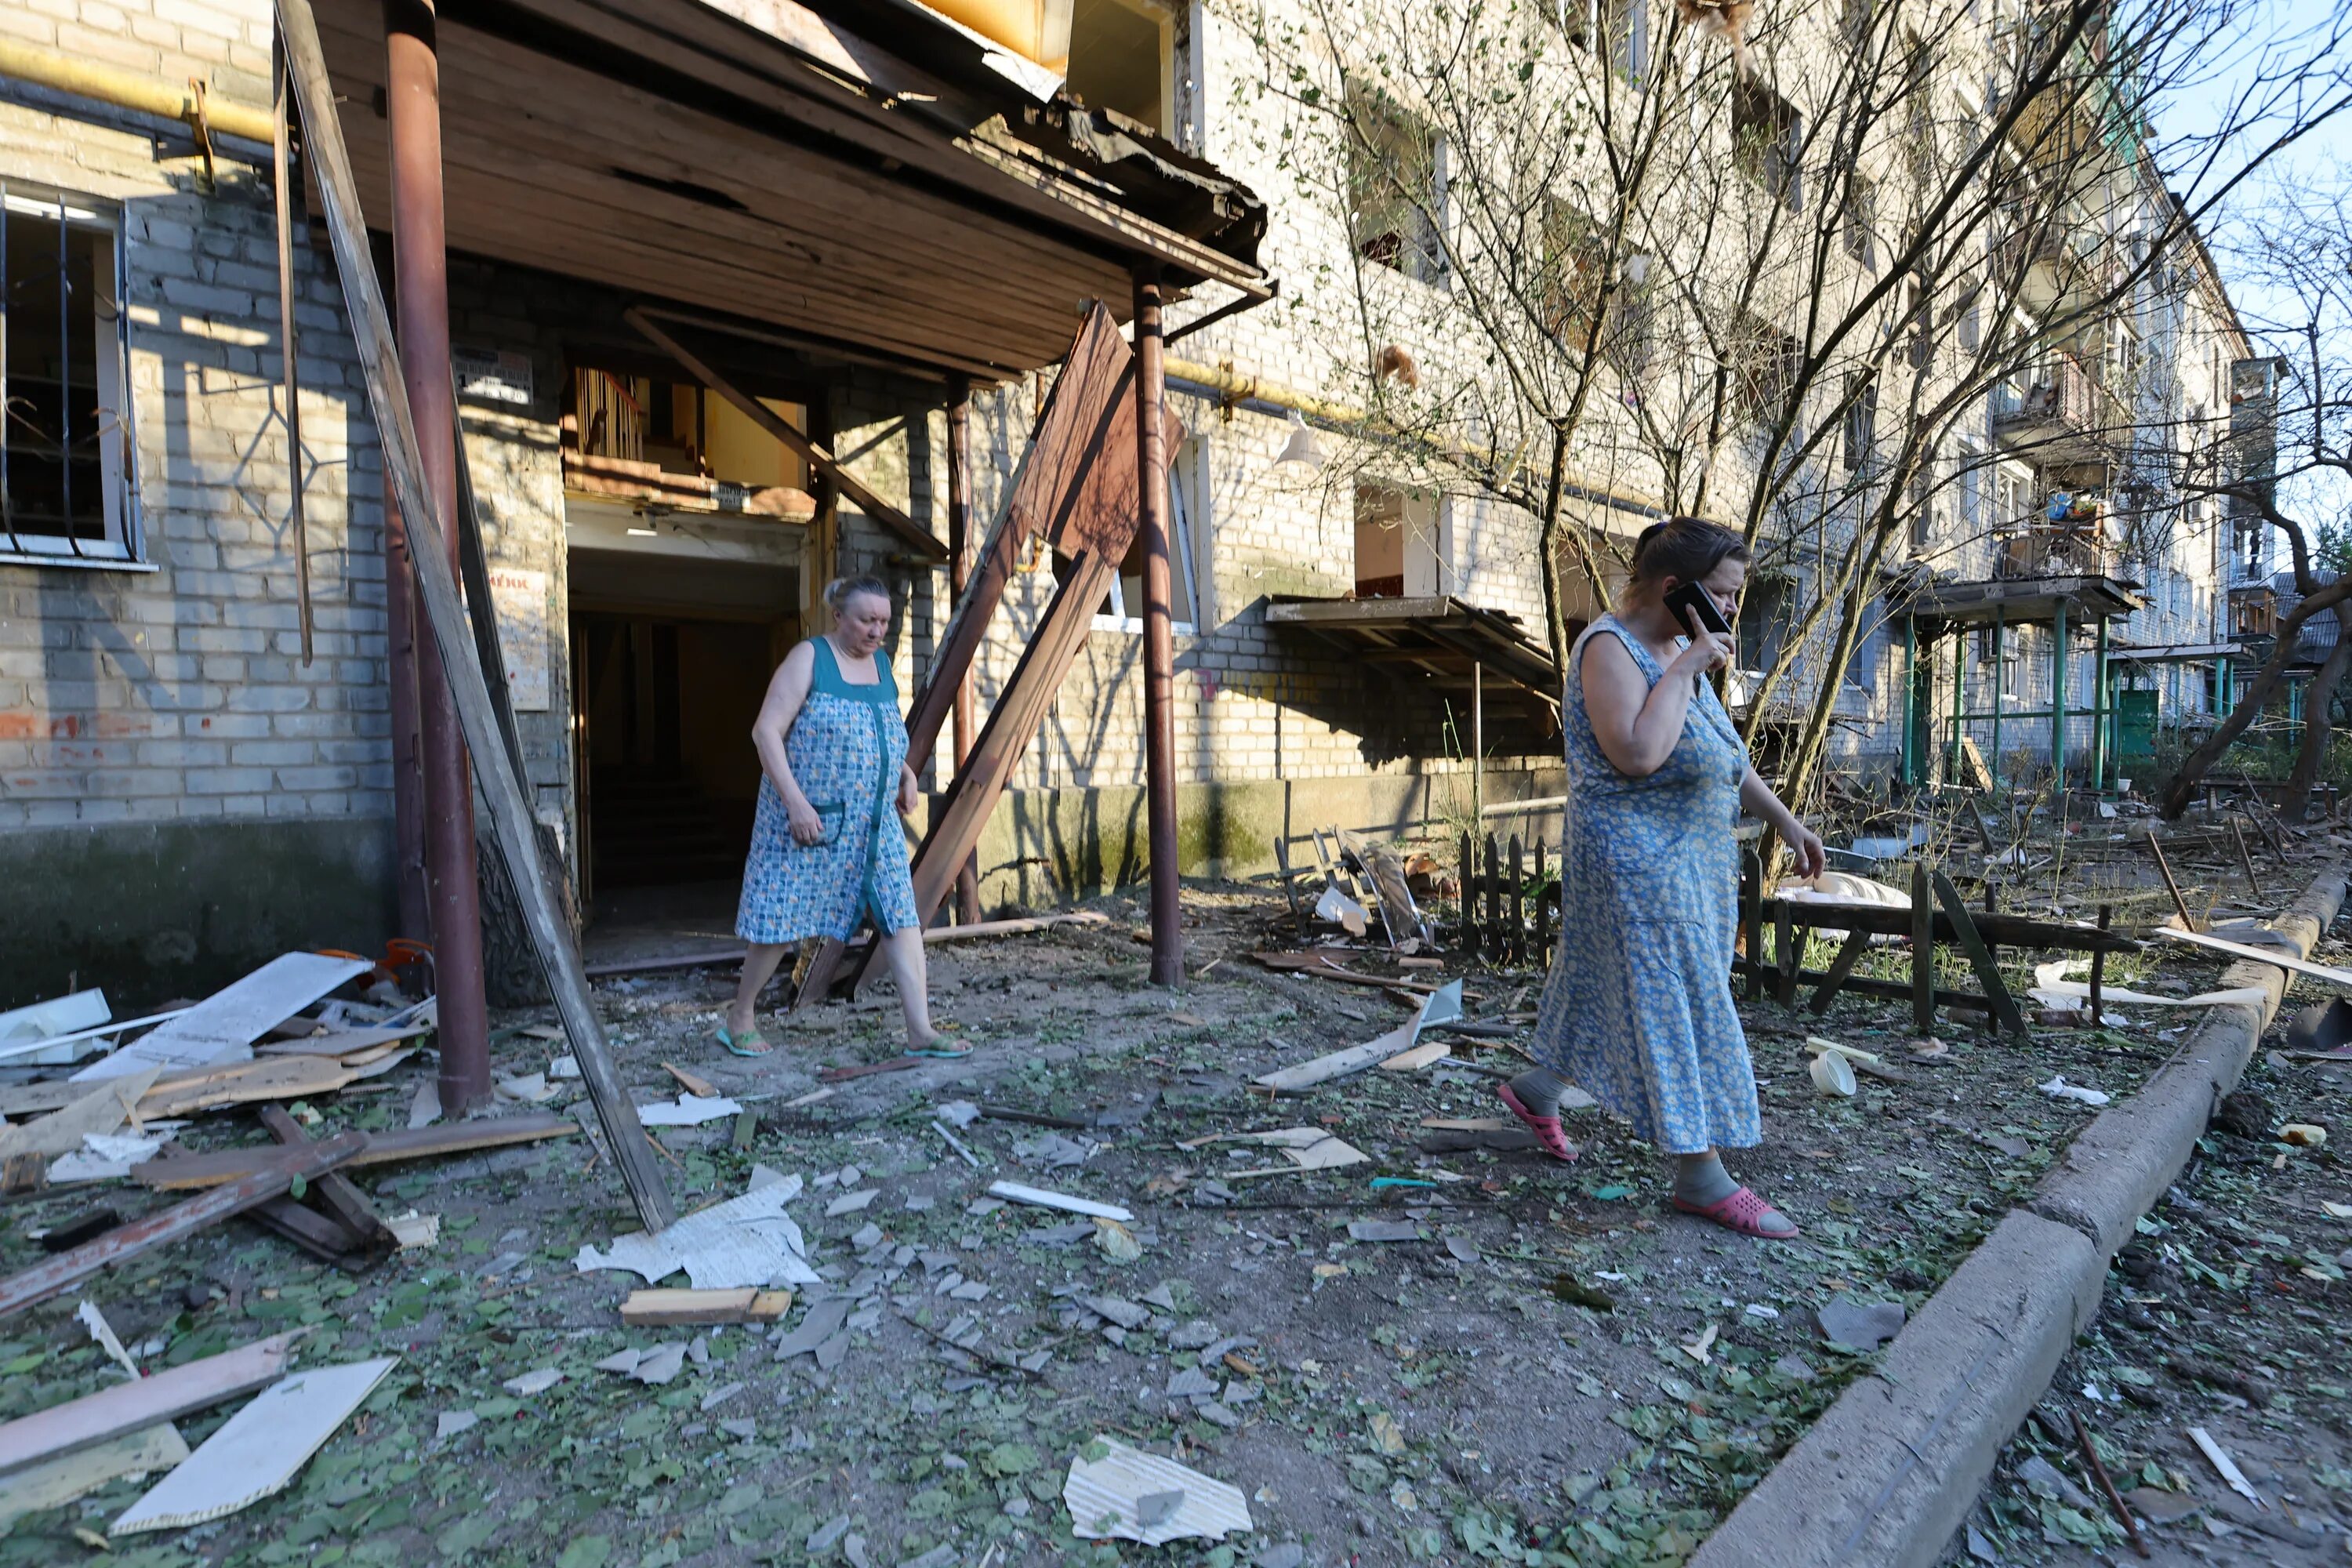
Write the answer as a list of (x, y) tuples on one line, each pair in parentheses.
[(826, 851), (1638, 1008)]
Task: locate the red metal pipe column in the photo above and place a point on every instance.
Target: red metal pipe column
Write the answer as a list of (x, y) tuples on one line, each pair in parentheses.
[(958, 577), (1158, 631), (421, 275)]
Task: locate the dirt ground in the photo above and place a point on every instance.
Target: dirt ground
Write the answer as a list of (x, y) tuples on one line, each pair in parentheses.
[(1547, 1366)]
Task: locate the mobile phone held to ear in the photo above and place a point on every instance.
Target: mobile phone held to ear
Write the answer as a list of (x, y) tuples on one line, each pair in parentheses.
[(1691, 600)]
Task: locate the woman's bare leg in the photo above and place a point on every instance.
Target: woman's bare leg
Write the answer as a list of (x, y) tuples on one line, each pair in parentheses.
[(903, 950), (759, 967)]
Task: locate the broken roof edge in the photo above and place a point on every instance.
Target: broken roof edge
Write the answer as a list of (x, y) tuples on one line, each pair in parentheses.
[(1026, 112)]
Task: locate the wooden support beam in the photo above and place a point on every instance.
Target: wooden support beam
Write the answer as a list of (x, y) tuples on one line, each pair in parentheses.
[(1972, 942), (510, 815), (289, 387), (1923, 952), (1841, 969), (338, 1196), (68, 1269), (210, 1170), (913, 534)]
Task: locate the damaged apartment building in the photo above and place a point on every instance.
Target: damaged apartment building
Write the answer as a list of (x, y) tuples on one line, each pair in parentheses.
[(743, 297)]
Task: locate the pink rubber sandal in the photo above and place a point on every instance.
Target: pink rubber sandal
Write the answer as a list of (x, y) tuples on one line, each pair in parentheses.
[(1547, 1128), (1745, 1212)]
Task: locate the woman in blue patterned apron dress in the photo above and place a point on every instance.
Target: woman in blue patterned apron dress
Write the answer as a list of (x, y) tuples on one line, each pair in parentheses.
[(826, 852), (1638, 1008)]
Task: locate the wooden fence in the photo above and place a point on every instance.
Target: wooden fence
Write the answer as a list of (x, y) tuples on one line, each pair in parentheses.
[(1509, 907)]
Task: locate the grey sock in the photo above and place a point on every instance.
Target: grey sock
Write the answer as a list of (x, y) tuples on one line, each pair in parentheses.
[(1539, 1089), (1701, 1179)]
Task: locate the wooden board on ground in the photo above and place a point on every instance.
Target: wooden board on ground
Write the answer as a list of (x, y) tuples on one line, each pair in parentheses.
[(659, 1309), (246, 1083), (129, 1406), (377, 1149), (1324, 967)]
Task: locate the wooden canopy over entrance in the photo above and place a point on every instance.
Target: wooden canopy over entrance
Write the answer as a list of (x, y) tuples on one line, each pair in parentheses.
[(761, 158), (1439, 641)]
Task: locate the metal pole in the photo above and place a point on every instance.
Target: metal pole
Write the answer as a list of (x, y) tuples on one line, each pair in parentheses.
[(2000, 687), (7, 506), (1477, 741), (288, 341), (2102, 706), (1158, 629), (2058, 700), (65, 383), (1911, 769), (421, 265), (959, 546)]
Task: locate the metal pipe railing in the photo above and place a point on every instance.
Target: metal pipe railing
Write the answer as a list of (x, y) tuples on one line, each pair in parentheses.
[(124, 90)]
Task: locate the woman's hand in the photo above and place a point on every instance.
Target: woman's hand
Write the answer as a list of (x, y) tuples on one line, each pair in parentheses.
[(906, 791), (1806, 845), (1706, 651), (807, 826)]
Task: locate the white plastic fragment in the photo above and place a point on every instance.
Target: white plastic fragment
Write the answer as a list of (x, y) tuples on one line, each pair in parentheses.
[(2059, 1089), (688, 1110), (1014, 1191)]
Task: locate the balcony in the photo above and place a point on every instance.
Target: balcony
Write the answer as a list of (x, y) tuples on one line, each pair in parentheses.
[(2062, 416)]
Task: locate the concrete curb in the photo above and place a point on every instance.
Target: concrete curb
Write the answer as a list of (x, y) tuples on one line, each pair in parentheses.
[(1891, 1470)]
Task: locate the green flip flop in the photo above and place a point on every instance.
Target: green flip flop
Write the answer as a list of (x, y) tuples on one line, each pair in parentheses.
[(941, 1049), (747, 1044)]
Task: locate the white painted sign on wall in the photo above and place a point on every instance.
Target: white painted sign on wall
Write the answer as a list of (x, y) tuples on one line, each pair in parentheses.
[(519, 599)]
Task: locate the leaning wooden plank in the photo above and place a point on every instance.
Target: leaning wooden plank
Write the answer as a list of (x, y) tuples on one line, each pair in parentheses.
[(659, 1309), (2333, 976), (257, 1451), (909, 531), (224, 1025), (67, 1269), (53, 1483), (196, 1170), (126, 1408), (2005, 1010), (513, 826)]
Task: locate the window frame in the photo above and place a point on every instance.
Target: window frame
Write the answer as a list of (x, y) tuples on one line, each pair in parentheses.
[(123, 546), (1186, 472)]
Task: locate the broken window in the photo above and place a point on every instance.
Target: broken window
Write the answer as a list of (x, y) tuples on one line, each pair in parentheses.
[(1122, 607), (1767, 141), (1573, 273), (1400, 551), (66, 481), (1860, 419), (1396, 187), (1622, 26), (680, 428), (1765, 607), (1857, 219), (1764, 364), (1122, 58)]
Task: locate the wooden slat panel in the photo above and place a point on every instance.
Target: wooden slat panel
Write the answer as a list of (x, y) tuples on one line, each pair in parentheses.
[(823, 247)]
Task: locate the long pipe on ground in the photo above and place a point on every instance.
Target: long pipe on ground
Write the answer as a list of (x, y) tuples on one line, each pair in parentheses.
[(421, 275), (1158, 631)]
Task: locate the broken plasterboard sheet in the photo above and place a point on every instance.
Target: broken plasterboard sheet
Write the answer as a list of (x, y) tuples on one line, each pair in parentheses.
[(58, 1479), (103, 1157), (223, 1026), (1442, 1007), (1112, 1496), (2054, 988), (102, 1109), (258, 1451), (747, 1240), (688, 1110), (1340, 910), (76, 1016)]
